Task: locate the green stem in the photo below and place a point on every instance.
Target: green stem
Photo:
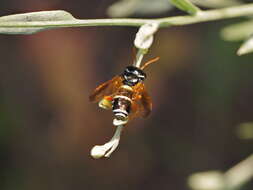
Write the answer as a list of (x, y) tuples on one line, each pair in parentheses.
[(204, 16), (186, 5)]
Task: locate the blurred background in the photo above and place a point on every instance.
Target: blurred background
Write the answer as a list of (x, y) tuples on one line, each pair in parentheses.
[(202, 104)]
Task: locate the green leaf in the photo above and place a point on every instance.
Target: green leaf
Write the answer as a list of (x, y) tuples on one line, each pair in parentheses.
[(216, 3), (126, 8), (247, 47), (237, 32), (186, 5), (42, 16)]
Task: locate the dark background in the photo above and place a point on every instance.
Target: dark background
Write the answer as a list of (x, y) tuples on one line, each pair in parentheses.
[(201, 90)]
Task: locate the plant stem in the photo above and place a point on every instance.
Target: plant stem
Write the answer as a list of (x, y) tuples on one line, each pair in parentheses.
[(211, 15), (139, 58)]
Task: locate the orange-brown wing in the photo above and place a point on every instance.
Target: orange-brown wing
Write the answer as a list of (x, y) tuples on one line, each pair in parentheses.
[(142, 104), (106, 89)]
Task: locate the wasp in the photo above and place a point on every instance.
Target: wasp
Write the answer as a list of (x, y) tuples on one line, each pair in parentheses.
[(125, 95)]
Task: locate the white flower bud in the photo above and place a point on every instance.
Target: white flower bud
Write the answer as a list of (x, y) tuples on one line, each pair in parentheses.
[(210, 180), (144, 37), (97, 152), (107, 149)]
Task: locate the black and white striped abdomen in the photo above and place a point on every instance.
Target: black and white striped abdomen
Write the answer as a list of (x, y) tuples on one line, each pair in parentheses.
[(121, 107)]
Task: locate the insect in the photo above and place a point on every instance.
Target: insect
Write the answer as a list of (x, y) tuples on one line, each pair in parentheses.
[(125, 94)]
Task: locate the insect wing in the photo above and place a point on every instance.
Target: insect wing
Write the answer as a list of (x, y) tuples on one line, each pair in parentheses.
[(146, 103), (106, 89), (142, 104)]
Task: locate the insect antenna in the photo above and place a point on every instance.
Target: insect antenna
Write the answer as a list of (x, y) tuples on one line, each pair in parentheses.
[(149, 62)]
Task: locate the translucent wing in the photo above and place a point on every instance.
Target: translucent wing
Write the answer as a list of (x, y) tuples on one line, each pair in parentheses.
[(106, 89), (142, 104)]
